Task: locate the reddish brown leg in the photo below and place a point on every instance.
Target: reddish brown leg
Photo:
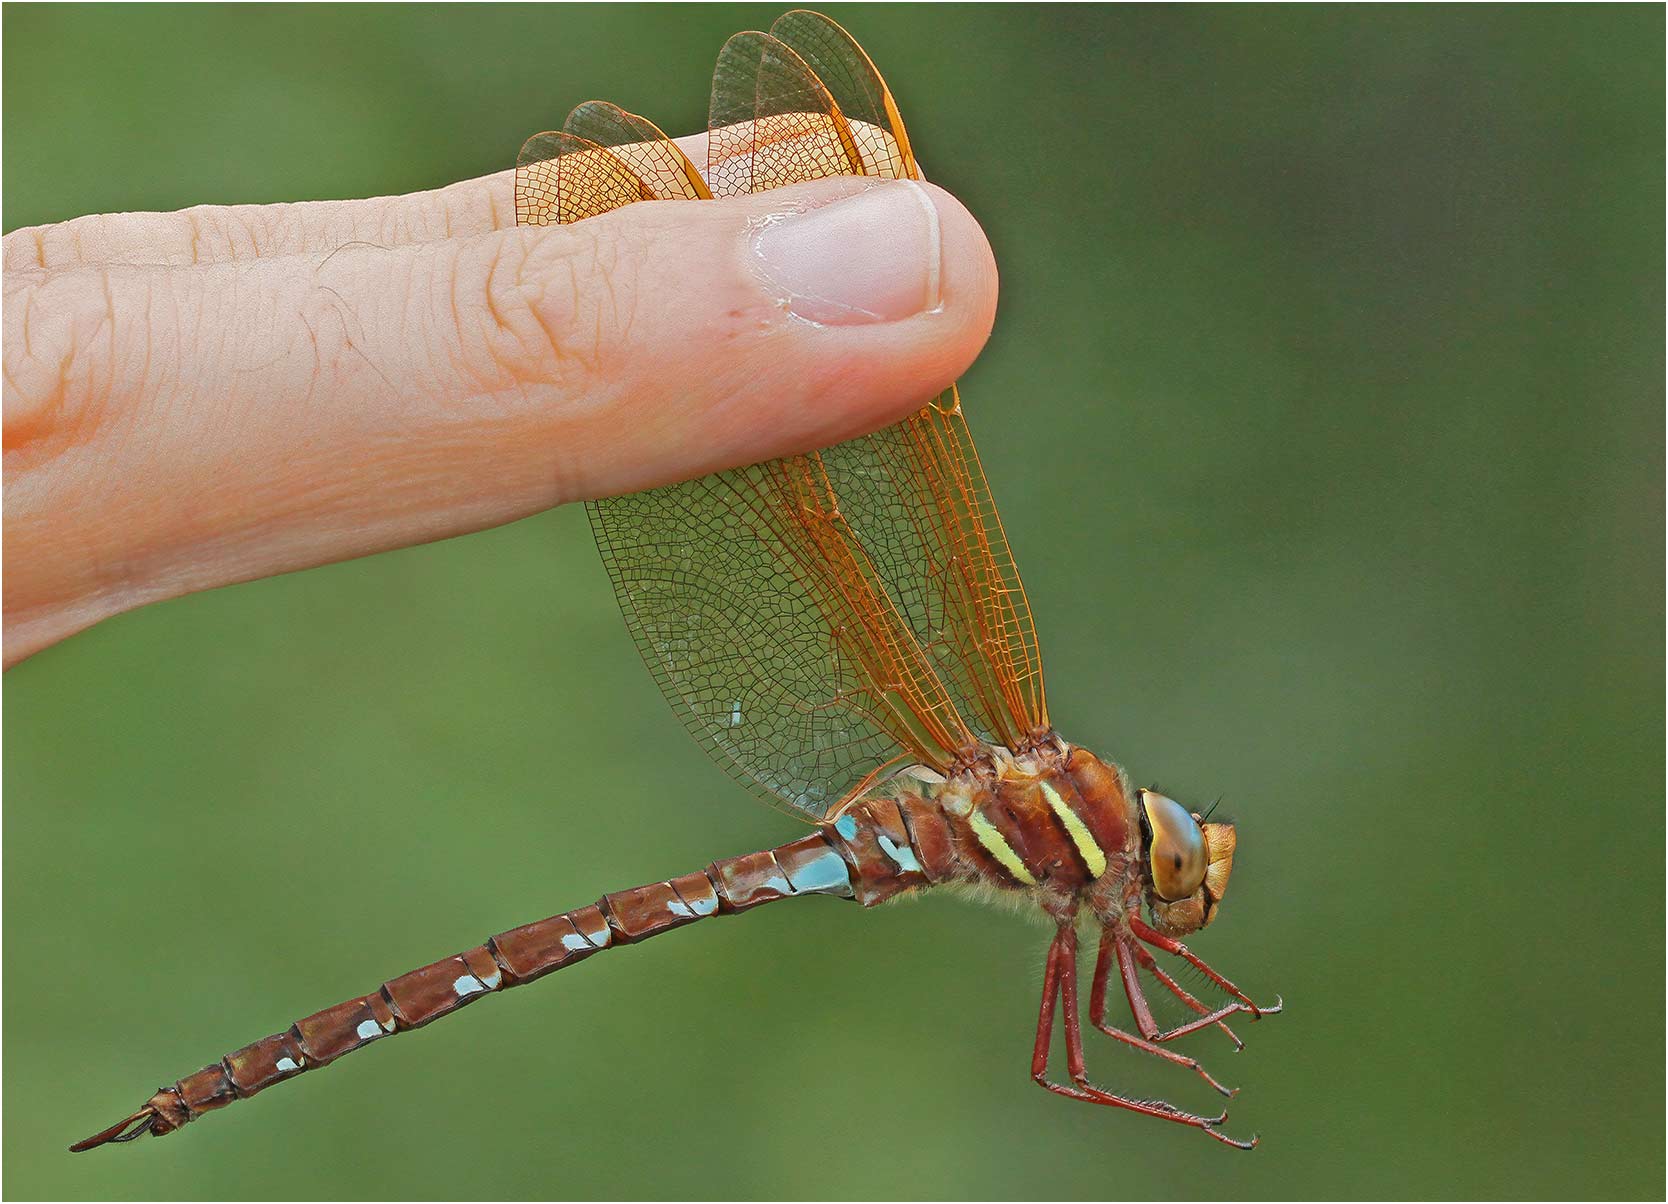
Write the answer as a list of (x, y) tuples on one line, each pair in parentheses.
[(1157, 939), (1138, 999), (1097, 986), (1060, 982), (1206, 1015), (1138, 1007)]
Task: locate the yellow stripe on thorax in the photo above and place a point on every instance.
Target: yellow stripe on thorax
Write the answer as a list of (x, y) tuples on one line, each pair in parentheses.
[(1093, 857), (1000, 848)]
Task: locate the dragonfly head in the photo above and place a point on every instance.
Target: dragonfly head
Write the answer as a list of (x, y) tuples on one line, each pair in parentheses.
[(1187, 863)]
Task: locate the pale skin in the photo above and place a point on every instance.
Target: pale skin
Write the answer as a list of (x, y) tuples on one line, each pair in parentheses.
[(224, 393)]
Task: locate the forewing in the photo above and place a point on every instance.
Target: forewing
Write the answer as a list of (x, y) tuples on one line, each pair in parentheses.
[(754, 603), (813, 619), (637, 142), (765, 625), (854, 83), (561, 178), (916, 495)]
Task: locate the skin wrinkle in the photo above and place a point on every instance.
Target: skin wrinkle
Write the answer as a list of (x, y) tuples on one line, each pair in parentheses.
[(497, 327), (475, 318), (254, 231), (28, 417), (449, 329), (11, 383), (109, 320), (401, 234), (28, 315), (525, 346), (456, 337), (621, 280), (415, 308), (148, 336), (546, 266)]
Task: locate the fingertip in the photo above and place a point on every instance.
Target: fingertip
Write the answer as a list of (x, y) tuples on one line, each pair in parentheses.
[(883, 292), (870, 375), (765, 325)]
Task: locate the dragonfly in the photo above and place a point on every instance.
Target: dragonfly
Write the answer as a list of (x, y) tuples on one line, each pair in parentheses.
[(844, 631)]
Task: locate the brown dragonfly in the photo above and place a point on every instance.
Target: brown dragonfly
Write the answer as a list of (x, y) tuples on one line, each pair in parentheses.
[(846, 633)]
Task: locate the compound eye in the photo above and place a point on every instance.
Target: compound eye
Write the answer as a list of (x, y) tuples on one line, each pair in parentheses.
[(1177, 854)]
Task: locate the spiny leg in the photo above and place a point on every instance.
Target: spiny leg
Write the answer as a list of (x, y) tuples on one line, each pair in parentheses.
[(1207, 1017), (1138, 1007), (1074, 1050), (1109, 944), (1156, 938), (1060, 982)]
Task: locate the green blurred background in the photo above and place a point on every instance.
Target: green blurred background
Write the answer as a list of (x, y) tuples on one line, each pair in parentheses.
[(1325, 407)]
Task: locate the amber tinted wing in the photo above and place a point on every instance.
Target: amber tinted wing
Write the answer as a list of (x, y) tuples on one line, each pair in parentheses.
[(637, 142), (915, 492), (755, 605), (916, 495), (856, 87), (767, 626), (562, 178), (814, 618)]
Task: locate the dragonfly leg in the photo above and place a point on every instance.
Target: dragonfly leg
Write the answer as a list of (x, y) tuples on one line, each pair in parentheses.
[(1097, 985), (1060, 984), (1157, 939), (1207, 1016), (1138, 1007)]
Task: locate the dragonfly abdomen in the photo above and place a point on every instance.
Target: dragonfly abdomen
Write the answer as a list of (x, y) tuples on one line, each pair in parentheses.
[(869, 854)]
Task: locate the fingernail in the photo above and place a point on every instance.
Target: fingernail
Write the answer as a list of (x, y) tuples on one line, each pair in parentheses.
[(872, 257)]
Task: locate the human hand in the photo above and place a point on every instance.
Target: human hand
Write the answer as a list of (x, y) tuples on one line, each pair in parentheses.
[(204, 397)]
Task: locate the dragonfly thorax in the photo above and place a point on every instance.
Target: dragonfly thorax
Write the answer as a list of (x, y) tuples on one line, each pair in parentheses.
[(1060, 823), (1055, 821)]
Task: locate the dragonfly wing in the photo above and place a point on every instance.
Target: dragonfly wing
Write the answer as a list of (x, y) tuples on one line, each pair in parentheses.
[(854, 83), (755, 610), (749, 597), (917, 497), (816, 618), (916, 492), (638, 143), (561, 178)]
